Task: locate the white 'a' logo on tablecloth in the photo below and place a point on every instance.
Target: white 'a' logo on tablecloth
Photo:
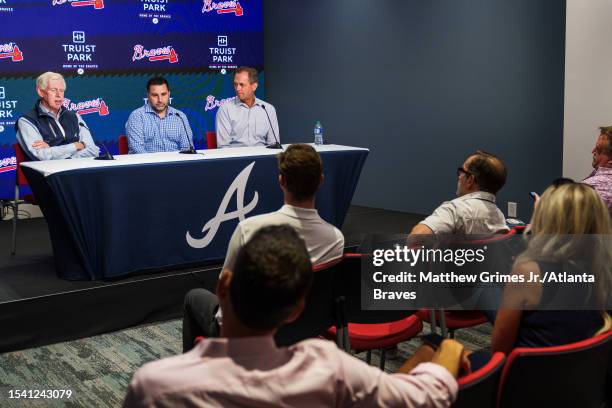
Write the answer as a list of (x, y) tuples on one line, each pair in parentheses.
[(212, 226)]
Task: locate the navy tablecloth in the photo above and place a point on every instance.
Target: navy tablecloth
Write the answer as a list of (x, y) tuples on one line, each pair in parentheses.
[(111, 221)]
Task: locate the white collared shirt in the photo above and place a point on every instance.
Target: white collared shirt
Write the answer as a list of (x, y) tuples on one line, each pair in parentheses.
[(474, 213), (323, 241), (238, 125)]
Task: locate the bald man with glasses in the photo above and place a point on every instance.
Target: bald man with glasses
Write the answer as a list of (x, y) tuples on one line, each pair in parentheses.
[(474, 211)]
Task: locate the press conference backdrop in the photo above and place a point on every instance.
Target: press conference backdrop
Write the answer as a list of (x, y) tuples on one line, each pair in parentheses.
[(108, 49)]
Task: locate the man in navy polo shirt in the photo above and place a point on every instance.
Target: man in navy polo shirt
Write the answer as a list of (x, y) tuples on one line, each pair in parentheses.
[(157, 126), (50, 131)]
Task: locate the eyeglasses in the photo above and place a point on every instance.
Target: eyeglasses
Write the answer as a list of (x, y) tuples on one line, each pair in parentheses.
[(464, 171)]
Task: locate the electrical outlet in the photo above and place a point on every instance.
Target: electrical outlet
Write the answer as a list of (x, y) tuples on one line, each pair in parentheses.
[(511, 209)]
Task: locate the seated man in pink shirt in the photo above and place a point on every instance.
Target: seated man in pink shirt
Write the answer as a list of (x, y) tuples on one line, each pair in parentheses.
[(601, 177), (265, 288)]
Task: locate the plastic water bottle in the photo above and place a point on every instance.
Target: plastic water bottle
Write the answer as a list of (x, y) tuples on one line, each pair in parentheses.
[(318, 133)]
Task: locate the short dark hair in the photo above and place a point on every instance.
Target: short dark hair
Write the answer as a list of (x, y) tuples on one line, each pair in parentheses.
[(271, 275), (253, 75), (488, 170), (301, 167), (606, 132), (158, 80)]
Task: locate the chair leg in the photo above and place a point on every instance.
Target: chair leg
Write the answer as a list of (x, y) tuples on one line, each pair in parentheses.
[(369, 357), (383, 353), (15, 216), (443, 330)]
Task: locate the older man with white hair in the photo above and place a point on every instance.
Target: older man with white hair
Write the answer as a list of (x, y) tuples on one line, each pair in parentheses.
[(50, 131)]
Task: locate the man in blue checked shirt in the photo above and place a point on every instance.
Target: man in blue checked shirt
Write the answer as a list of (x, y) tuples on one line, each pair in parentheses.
[(158, 127)]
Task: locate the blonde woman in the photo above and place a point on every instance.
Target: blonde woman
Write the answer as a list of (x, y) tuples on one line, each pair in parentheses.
[(570, 231)]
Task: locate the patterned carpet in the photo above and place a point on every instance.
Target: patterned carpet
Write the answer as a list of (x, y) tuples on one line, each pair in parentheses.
[(98, 369)]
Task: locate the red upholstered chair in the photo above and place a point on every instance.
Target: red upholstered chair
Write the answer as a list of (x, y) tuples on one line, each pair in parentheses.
[(20, 181), (319, 310), (452, 320), (572, 375), (124, 148), (372, 336), (368, 330), (211, 140), (479, 388)]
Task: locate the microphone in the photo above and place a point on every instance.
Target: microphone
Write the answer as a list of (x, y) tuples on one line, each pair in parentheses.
[(107, 156), (276, 144), (191, 149)]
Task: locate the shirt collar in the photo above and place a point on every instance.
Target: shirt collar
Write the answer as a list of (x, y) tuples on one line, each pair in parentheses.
[(43, 110), (236, 346), (481, 195), (238, 102), (603, 170), (299, 212), (149, 109)]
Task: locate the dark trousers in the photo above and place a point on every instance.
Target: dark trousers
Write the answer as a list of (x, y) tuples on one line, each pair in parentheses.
[(199, 312)]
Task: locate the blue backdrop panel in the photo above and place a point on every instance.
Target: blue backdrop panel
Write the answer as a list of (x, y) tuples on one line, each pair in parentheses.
[(101, 225), (195, 44)]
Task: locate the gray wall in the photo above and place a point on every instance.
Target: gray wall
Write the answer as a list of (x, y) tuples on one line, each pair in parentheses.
[(422, 83)]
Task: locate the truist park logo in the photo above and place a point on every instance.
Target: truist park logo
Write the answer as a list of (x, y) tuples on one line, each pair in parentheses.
[(4, 7), (86, 107), (11, 51), (155, 10), (7, 110), (223, 7), (214, 103), (155, 54), (96, 4), (79, 54), (222, 55)]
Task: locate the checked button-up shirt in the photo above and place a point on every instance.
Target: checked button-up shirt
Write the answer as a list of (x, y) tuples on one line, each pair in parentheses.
[(148, 133)]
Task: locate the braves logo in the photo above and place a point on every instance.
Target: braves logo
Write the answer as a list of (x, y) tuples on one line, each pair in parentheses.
[(212, 102), (8, 164), (156, 54), (212, 226), (223, 7), (96, 4), (12, 51), (86, 107)]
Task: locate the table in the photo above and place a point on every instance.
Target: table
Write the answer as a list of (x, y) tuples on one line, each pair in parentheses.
[(108, 219)]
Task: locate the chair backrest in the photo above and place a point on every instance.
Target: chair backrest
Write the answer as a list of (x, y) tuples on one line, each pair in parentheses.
[(572, 375), (319, 313), (124, 148), (348, 287), (211, 140), (20, 155), (479, 388), (500, 251)]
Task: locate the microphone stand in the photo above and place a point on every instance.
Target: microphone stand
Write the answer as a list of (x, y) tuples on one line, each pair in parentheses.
[(191, 149), (107, 155), (276, 144)]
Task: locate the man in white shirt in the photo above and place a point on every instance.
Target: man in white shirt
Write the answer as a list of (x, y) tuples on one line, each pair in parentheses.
[(244, 368), (474, 210), (246, 120), (300, 176)]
